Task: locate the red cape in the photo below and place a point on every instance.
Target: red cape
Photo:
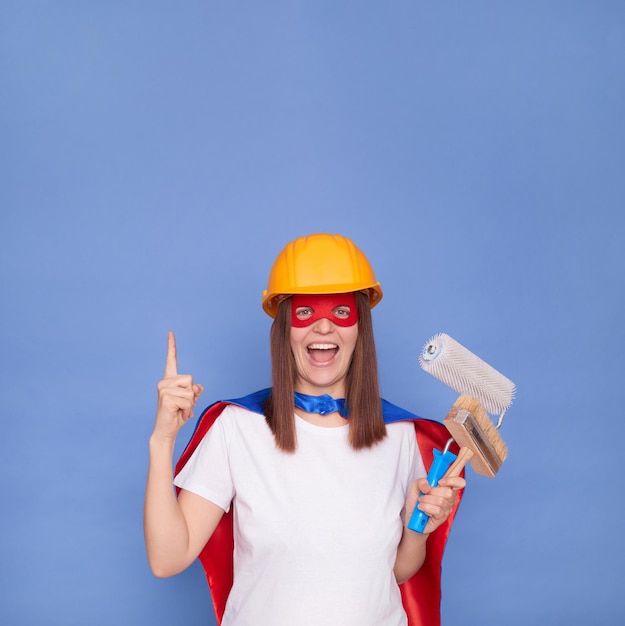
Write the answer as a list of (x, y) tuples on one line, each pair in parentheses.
[(421, 595)]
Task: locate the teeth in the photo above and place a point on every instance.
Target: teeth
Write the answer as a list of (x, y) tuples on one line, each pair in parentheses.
[(322, 346)]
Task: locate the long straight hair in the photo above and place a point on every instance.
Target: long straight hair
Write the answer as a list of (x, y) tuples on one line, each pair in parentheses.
[(362, 390)]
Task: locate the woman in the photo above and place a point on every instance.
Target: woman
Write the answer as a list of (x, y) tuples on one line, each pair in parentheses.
[(320, 483)]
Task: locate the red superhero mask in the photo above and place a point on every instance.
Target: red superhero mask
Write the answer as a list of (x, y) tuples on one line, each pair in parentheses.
[(330, 306)]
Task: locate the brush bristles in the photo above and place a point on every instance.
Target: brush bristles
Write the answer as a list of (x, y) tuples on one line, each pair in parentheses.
[(450, 362), (471, 427)]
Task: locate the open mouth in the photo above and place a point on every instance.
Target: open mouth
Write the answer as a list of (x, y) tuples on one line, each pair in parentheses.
[(322, 352)]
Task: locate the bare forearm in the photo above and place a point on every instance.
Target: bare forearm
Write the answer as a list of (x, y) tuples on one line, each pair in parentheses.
[(410, 555), (166, 533)]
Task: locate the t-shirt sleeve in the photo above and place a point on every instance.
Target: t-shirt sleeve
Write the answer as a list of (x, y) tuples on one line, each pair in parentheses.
[(207, 472)]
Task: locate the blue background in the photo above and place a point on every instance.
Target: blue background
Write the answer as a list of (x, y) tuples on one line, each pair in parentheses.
[(155, 158)]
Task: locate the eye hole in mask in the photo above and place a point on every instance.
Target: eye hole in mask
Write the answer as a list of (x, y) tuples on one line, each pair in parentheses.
[(339, 308)]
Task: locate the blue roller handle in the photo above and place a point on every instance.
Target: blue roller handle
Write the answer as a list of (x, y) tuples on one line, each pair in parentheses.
[(441, 463)]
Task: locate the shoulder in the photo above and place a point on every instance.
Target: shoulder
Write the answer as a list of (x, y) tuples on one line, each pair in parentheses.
[(429, 432), (233, 414), (236, 421), (401, 428), (250, 404)]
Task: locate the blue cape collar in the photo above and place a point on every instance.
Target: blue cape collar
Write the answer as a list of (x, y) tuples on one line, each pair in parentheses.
[(254, 402)]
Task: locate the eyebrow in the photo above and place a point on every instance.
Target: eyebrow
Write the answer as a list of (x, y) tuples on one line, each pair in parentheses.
[(310, 306)]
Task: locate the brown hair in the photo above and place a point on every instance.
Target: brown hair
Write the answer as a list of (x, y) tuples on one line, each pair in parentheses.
[(362, 397)]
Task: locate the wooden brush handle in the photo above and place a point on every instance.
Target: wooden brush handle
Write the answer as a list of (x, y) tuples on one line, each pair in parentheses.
[(456, 467)]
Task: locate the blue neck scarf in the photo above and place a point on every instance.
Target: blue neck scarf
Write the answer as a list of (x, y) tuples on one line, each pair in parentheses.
[(320, 404)]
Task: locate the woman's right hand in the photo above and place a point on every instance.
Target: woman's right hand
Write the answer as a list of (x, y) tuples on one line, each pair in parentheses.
[(177, 396)]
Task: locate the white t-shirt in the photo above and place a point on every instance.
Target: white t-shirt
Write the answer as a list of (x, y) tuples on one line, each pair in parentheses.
[(316, 531)]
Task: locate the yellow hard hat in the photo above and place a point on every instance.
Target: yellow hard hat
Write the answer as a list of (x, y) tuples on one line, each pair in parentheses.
[(320, 264)]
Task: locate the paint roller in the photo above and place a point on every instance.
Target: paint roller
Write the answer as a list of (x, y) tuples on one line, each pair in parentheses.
[(483, 391)]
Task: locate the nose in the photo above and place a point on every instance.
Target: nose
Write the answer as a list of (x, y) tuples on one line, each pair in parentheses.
[(323, 325)]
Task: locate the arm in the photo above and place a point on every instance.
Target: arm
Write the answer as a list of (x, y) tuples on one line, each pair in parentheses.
[(438, 502), (175, 530)]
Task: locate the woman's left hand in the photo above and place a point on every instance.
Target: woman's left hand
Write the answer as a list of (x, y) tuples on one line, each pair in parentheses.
[(437, 502)]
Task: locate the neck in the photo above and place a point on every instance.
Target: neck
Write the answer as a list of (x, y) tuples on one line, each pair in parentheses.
[(323, 405), (332, 420)]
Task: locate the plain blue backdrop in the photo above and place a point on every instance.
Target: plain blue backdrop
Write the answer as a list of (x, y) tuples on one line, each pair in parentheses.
[(156, 156)]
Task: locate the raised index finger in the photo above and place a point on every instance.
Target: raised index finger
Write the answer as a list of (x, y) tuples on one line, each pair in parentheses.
[(171, 364)]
